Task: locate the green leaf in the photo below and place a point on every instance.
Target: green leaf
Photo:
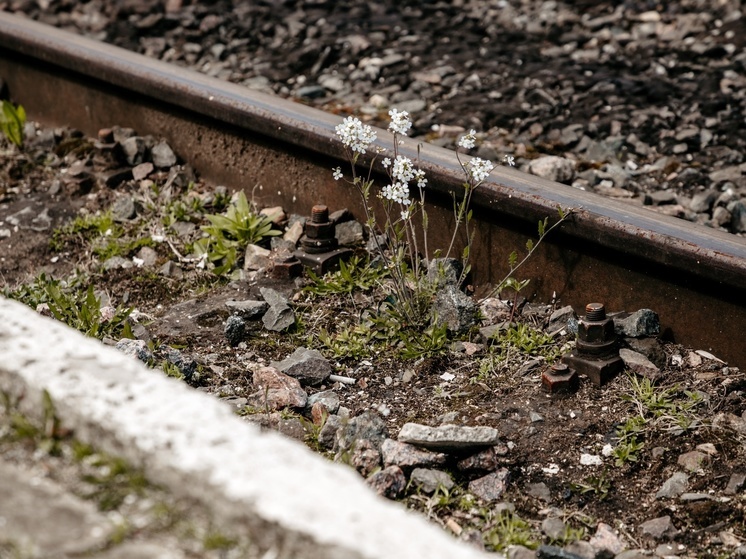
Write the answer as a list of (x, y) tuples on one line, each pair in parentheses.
[(529, 245), (513, 259)]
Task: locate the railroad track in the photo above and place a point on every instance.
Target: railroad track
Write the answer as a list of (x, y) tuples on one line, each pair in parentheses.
[(624, 256)]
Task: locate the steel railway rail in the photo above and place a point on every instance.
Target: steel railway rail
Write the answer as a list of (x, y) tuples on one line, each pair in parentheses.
[(624, 256)]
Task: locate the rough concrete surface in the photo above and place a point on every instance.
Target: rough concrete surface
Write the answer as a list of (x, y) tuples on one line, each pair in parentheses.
[(288, 500)]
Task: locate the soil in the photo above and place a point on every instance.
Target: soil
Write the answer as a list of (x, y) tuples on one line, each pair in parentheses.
[(472, 381)]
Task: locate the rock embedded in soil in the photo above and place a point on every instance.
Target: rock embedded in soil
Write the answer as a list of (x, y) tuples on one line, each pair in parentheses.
[(455, 309), (693, 461), (673, 486), (491, 487), (643, 322), (639, 364), (448, 438), (409, 456), (389, 482), (658, 529), (606, 539), (234, 330), (307, 365), (428, 481), (486, 460), (276, 390)]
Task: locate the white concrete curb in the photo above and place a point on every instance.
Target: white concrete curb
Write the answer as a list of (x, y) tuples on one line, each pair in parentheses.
[(287, 500)]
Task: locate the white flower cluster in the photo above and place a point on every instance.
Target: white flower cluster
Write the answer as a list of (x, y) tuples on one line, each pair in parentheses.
[(479, 169), (397, 192), (355, 135), (400, 123), (467, 140)]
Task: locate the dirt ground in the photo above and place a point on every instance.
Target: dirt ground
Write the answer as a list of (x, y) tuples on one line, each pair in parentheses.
[(475, 380)]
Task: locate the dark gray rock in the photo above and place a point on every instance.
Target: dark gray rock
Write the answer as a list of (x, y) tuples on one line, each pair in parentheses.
[(234, 330), (133, 149), (328, 433), (185, 363), (368, 425), (455, 309), (307, 365), (554, 552), (736, 483), (428, 481), (659, 529), (444, 271), (279, 316), (639, 364), (673, 486), (248, 310), (409, 456), (123, 209), (163, 156), (738, 216), (640, 323), (559, 319), (650, 348), (349, 233), (448, 438)]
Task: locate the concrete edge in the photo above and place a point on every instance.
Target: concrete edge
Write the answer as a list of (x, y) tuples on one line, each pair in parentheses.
[(283, 497)]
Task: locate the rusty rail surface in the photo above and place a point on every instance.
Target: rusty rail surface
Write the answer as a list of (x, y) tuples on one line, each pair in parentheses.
[(624, 256)]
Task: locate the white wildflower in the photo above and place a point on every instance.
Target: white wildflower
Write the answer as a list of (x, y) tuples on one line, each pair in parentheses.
[(405, 214), (467, 140), (400, 122), (386, 163), (419, 175), (479, 169), (337, 174), (138, 262), (397, 192), (509, 160), (403, 170), (355, 135)]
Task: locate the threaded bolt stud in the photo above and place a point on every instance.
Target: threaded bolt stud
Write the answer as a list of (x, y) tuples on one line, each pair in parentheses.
[(595, 312), (320, 214)]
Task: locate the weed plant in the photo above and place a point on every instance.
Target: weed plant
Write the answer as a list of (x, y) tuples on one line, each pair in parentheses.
[(404, 224), (670, 409), (75, 305), (229, 234), (12, 121)]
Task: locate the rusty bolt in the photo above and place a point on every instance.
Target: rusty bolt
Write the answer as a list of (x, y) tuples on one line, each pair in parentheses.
[(595, 331), (560, 378), (319, 232)]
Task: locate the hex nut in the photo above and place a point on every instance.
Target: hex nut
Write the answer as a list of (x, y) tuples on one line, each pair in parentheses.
[(596, 332)]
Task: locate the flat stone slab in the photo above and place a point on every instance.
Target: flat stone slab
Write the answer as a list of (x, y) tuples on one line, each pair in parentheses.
[(446, 438), (39, 518)]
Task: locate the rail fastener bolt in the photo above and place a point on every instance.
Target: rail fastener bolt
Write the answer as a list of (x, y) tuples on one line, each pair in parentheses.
[(560, 378), (595, 353), (319, 232)]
